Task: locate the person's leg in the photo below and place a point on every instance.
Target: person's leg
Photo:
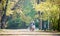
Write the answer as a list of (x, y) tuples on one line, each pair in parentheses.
[(32, 29)]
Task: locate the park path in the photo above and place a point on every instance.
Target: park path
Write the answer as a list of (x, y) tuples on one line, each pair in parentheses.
[(25, 32)]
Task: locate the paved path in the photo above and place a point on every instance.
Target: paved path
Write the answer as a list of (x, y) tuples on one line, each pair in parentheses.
[(24, 32)]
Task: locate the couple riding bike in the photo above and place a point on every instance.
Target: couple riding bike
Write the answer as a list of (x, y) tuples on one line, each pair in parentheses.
[(32, 26)]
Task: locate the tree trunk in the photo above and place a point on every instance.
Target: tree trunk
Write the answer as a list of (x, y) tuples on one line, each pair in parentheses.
[(39, 13), (59, 20), (3, 20), (0, 17), (59, 23)]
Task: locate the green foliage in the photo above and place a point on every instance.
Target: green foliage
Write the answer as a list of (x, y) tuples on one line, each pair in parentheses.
[(26, 10), (14, 23), (50, 12), (23, 14)]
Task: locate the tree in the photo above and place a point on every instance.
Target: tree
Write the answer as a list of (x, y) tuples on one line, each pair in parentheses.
[(3, 20), (49, 10), (3, 12), (21, 11), (57, 2)]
